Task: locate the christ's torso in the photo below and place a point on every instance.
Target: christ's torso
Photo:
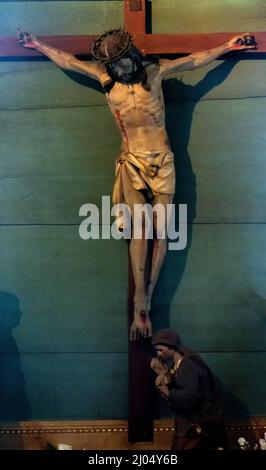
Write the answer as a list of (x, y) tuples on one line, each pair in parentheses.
[(140, 114)]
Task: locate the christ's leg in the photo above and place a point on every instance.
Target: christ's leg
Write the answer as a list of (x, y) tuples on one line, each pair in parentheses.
[(141, 326), (159, 244)]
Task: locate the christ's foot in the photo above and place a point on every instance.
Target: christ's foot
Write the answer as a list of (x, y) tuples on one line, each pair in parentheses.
[(141, 326)]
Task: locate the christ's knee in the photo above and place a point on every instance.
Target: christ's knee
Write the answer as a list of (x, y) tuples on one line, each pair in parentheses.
[(142, 227), (160, 234)]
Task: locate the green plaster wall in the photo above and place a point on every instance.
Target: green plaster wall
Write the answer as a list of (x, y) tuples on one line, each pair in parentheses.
[(64, 346)]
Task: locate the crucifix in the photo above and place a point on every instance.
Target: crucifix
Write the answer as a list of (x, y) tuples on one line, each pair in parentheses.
[(136, 21)]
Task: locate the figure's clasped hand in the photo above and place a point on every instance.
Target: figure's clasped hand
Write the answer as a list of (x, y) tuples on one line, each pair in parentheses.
[(163, 389), (158, 367), (163, 377), (242, 42)]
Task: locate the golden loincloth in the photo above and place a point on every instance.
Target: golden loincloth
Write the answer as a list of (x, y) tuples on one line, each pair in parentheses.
[(154, 172)]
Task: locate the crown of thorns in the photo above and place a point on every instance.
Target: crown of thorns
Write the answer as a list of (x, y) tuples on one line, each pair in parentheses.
[(111, 46)]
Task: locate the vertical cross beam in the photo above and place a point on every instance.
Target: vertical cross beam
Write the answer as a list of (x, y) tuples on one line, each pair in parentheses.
[(141, 388), (135, 16)]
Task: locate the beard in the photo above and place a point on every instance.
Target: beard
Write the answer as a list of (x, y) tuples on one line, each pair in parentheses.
[(136, 76), (126, 78), (129, 78)]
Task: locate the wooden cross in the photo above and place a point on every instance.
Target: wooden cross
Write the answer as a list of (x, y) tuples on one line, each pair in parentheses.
[(136, 21)]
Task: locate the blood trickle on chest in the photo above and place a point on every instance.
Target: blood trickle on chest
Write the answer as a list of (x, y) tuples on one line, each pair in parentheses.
[(133, 106)]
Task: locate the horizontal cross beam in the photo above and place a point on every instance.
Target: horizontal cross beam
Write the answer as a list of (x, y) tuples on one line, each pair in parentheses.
[(179, 44)]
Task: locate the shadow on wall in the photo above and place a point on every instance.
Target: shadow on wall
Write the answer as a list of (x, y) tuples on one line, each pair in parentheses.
[(235, 412), (181, 100), (255, 304), (14, 405)]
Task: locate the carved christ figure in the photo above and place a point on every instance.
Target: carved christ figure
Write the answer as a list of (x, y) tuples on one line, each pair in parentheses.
[(145, 167)]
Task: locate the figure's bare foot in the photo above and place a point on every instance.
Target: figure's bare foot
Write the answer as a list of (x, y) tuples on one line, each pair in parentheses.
[(141, 326)]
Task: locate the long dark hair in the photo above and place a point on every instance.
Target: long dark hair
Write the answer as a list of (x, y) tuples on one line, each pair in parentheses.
[(139, 75)]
